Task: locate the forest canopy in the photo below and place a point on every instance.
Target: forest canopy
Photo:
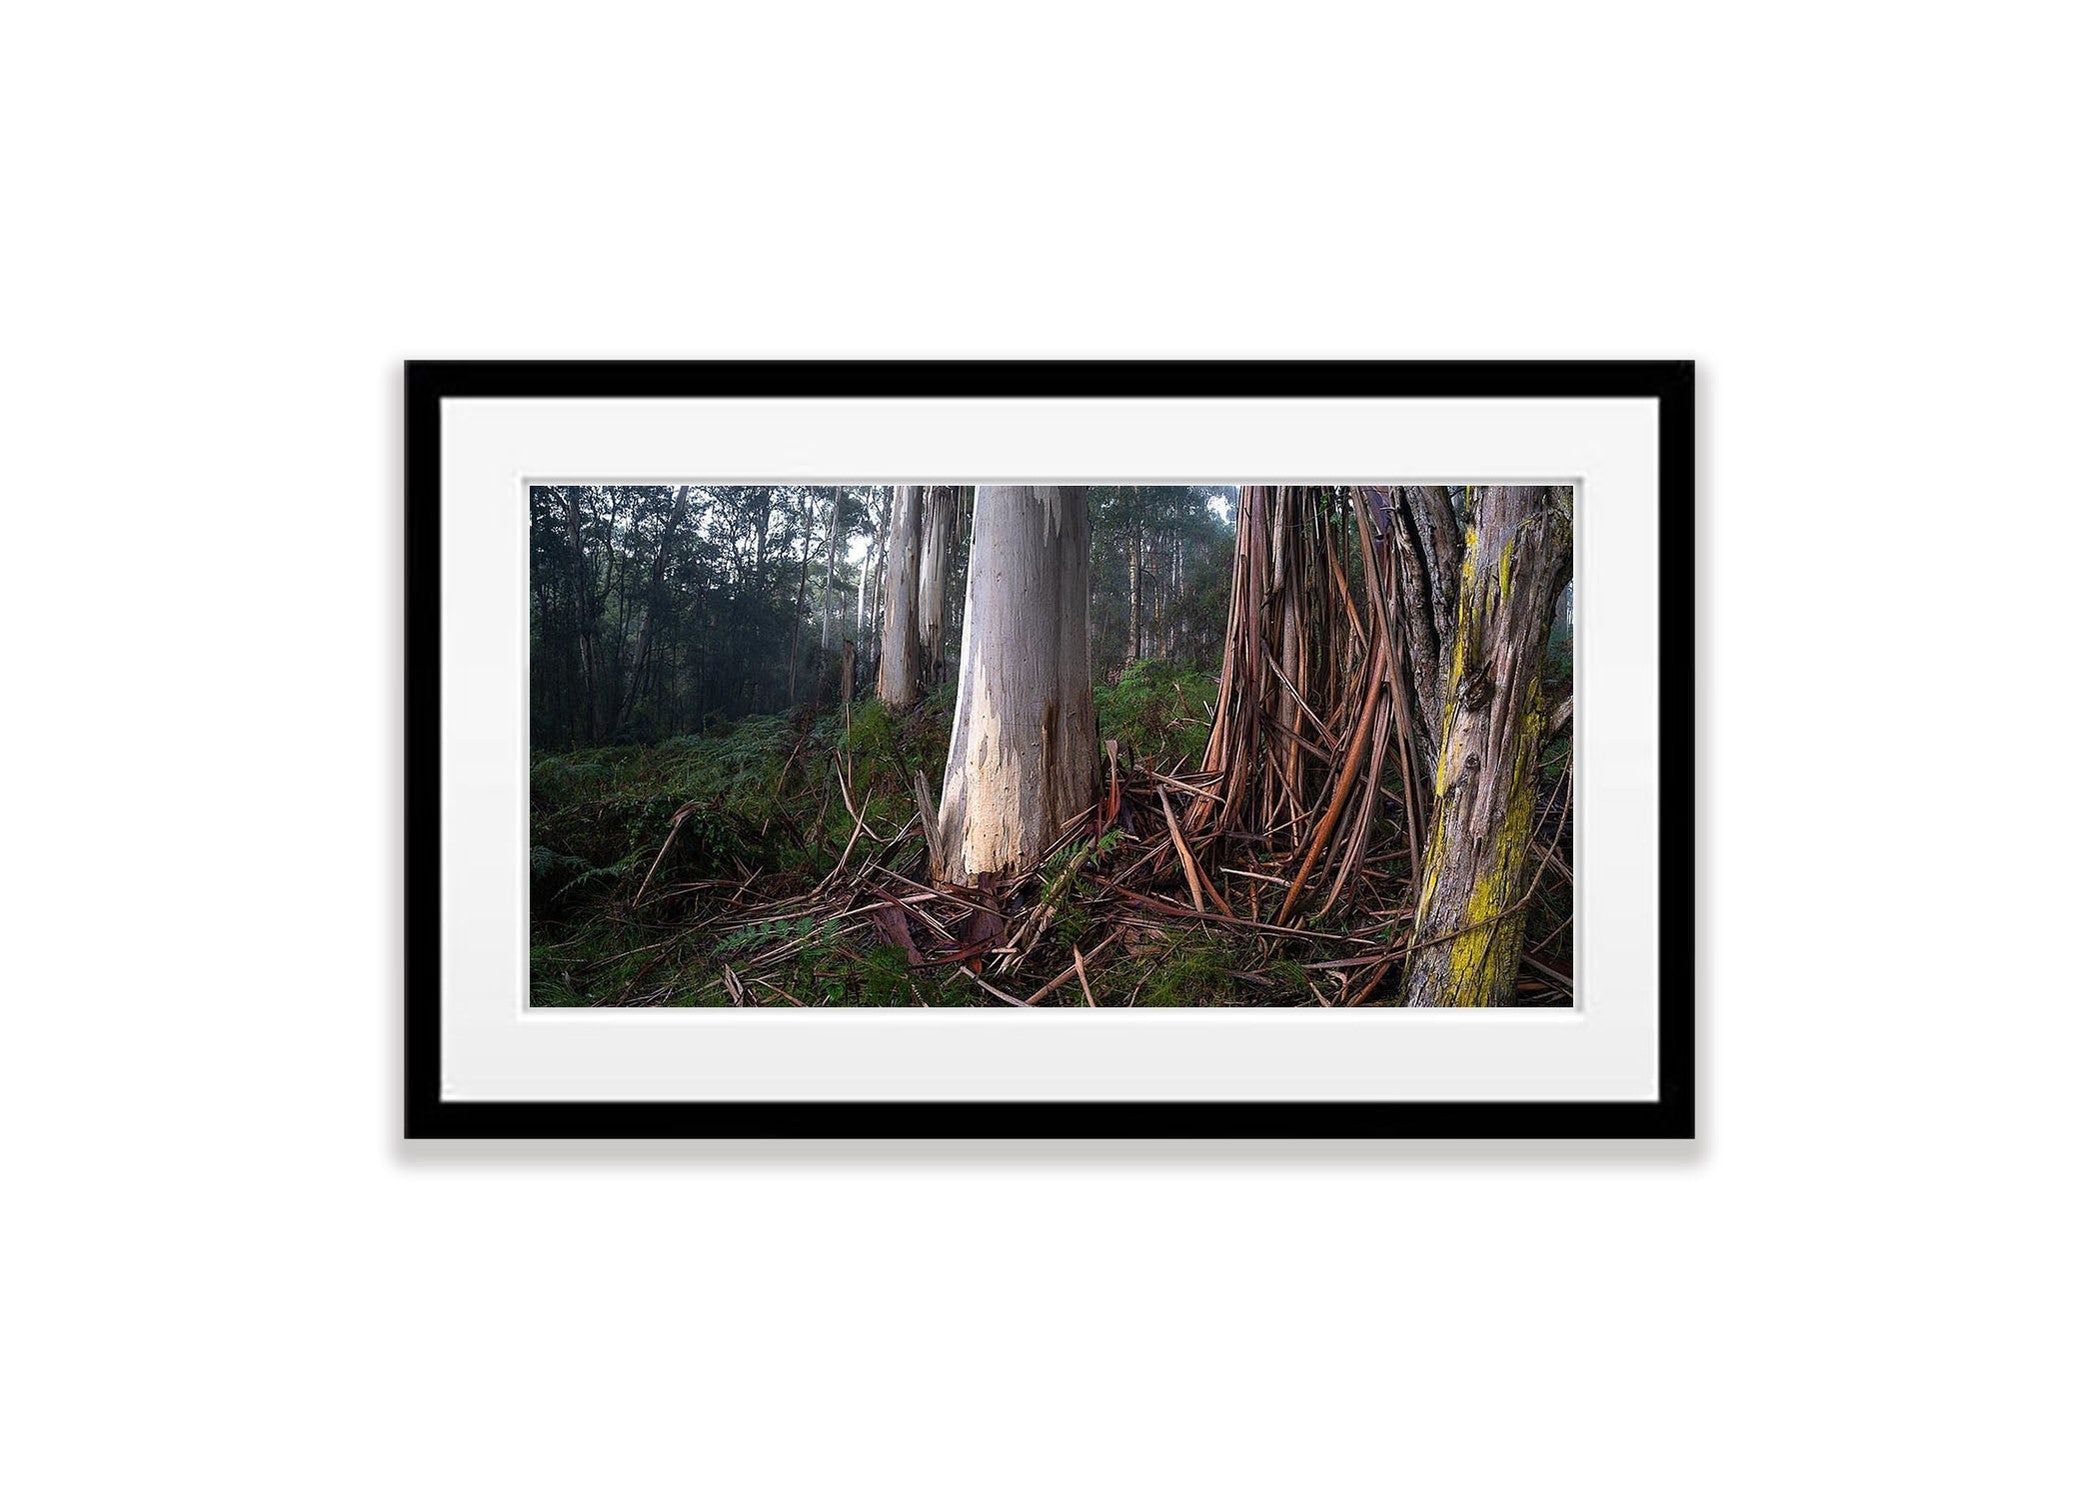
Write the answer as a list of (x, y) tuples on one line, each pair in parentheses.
[(899, 744)]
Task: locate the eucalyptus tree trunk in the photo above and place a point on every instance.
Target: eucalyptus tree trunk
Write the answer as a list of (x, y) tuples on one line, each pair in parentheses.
[(830, 593), (765, 534), (1136, 590), (1469, 914), (801, 599), (588, 608), (1023, 758), (1173, 608), (896, 682), (872, 577), (1431, 550), (938, 530)]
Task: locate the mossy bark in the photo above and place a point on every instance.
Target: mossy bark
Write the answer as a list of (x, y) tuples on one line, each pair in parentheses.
[(1468, 921)]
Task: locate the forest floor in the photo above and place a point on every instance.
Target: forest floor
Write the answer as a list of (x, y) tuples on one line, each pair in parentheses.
[(777, 861)]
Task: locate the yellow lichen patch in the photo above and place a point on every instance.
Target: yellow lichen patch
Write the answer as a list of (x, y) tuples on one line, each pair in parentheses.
[(1480, 960), (1433, 860), (1443, 744)]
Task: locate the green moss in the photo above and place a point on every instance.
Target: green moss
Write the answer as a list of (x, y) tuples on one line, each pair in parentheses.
[(1197, 971), (1290, 979)]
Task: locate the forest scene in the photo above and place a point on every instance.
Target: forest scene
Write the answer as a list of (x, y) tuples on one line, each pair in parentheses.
[(804, 745)]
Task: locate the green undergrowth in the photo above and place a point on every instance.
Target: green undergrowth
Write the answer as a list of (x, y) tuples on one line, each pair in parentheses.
[(1158, 711), (763, 813)]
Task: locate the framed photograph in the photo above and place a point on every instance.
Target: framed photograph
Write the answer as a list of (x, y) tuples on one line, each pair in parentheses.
[(1049, 749)]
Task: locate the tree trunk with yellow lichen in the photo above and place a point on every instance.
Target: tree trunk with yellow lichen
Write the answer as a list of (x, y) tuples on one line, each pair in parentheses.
[(1468, 916)]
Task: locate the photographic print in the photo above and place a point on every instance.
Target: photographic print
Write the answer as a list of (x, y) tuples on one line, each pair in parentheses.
[(944, 744)]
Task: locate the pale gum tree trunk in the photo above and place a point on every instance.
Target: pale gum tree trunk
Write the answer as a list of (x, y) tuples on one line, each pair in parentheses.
[(1468, 919), (1024, 757), (825, 608), (860, 606), (872, 582), (938, 530), (1136, 589), (897, 680), (801, 599), (1173, 607)]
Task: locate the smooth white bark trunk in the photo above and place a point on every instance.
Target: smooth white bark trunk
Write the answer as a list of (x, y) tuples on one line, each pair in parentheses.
[(897, 682), (938, 529), (826, 606), (1024, 756)]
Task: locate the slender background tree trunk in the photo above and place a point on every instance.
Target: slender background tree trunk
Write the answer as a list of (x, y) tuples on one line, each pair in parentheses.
[(801, 597), (830, 596), (653, 607), (1136, 589), (588, 606), (898, 679), (938, 530)]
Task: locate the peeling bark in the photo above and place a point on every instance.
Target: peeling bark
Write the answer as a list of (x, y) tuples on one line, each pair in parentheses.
[(1469, 919), (1023, 757)]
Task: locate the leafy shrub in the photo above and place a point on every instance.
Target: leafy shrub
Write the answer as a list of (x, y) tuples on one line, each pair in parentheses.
[(1158, 711)]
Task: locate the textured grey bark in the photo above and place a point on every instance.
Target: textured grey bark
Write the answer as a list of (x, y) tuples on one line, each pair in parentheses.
[(1024, 756), (1469, 918), (1442, 543), (896, 681), (1431, 552)]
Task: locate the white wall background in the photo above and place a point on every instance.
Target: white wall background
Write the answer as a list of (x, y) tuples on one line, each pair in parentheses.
[(226, 226)]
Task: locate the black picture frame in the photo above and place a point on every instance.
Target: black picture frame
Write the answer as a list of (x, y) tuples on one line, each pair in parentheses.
[(1670, 1115)]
